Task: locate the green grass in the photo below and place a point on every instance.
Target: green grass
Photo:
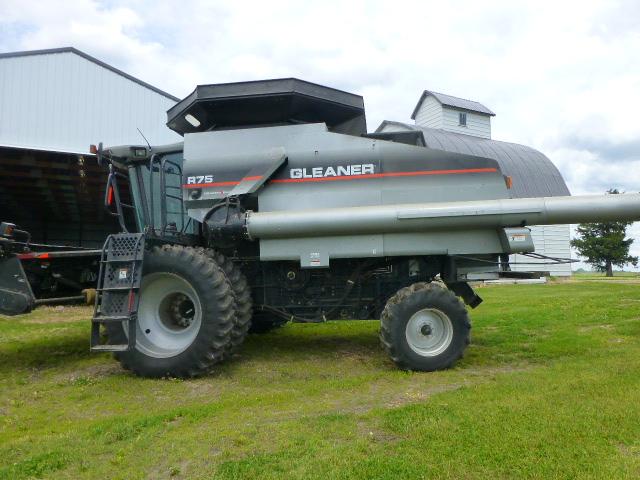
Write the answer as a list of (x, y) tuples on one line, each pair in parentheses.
[(603, 276), (549, 388)]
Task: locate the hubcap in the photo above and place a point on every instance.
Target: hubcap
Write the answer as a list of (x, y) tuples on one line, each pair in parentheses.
[(429, 332), (169, 315)]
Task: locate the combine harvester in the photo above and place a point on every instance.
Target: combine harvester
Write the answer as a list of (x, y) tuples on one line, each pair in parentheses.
[(278, 206)]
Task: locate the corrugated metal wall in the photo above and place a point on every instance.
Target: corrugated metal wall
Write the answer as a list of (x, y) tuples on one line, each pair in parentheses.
[(550, 240), (64, 102)]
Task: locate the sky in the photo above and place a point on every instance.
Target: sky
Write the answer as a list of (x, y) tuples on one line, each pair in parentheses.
[(562, 76)]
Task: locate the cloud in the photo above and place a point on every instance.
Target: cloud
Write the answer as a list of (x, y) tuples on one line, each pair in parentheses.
[(621, 151)]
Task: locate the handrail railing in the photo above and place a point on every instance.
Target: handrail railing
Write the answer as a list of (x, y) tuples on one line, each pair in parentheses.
[(112, 195)]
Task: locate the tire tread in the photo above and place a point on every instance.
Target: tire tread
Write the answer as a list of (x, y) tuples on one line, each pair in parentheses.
[(389, 318), (217, 303)]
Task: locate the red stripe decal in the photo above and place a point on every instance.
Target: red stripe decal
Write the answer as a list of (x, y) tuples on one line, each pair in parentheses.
[(211, 184), (131, 298), (29, 256), (381, 175), (349, 177)]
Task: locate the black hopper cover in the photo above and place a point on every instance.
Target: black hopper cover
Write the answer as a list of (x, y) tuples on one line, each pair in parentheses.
[(267, 102)]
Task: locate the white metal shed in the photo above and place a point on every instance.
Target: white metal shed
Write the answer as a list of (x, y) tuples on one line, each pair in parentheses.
[(53, 105), (64, 100)]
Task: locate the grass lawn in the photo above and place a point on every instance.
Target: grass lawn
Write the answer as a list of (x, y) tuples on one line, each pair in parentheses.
[(602, 276), (549, 388)]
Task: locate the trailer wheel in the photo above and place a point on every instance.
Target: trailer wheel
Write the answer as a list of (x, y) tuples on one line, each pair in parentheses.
[(185, 315), (424, 327), (243, 299)]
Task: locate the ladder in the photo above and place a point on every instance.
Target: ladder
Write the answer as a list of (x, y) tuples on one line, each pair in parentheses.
[(118, 292)]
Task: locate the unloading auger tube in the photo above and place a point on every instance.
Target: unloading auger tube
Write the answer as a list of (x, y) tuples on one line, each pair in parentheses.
[(406, 218)]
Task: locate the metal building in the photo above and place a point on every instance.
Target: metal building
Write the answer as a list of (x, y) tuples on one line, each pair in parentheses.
[(453, 114), (533, 174), (55, 103)]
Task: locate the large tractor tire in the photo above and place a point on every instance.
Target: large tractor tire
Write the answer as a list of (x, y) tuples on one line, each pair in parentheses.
[(425, 327), (185, 315), (242, 295)]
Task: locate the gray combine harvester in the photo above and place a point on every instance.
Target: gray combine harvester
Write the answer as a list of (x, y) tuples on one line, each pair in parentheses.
[(279, 206)]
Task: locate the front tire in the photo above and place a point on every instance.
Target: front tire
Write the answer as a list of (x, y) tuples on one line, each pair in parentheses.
[(243, 300), (185, 316), (424, 327)]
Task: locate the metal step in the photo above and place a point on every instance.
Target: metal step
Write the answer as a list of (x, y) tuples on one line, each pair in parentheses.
[(106, 319), (110, 348), (118, 288)]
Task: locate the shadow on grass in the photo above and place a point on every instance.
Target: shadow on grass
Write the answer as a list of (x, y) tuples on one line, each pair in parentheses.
[(44, 352), (290, 342), (350, 340), (287, 344)]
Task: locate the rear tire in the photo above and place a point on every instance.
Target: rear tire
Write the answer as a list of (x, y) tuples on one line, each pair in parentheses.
[(185, 316), (424, 327)]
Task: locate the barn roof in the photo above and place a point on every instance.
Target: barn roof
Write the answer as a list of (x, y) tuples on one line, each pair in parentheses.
[(49, 51), (533, 174), (451, 101)]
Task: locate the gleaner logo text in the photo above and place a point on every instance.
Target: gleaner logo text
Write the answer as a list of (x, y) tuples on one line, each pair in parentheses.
[(339, 171)]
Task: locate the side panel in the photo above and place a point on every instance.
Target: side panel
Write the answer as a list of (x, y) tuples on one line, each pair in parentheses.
[(317, 252)]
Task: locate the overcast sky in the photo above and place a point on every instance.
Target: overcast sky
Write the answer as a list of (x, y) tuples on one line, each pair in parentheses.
[(563, 77)]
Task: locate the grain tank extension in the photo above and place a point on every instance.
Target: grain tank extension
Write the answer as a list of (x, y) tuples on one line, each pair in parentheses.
[(279, 206)]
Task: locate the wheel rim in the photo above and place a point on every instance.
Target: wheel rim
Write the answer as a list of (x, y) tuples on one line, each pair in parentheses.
[(429, 332), (169, 315)]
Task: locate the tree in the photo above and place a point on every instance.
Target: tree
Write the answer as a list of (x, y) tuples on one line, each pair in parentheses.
[(604, 244)]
